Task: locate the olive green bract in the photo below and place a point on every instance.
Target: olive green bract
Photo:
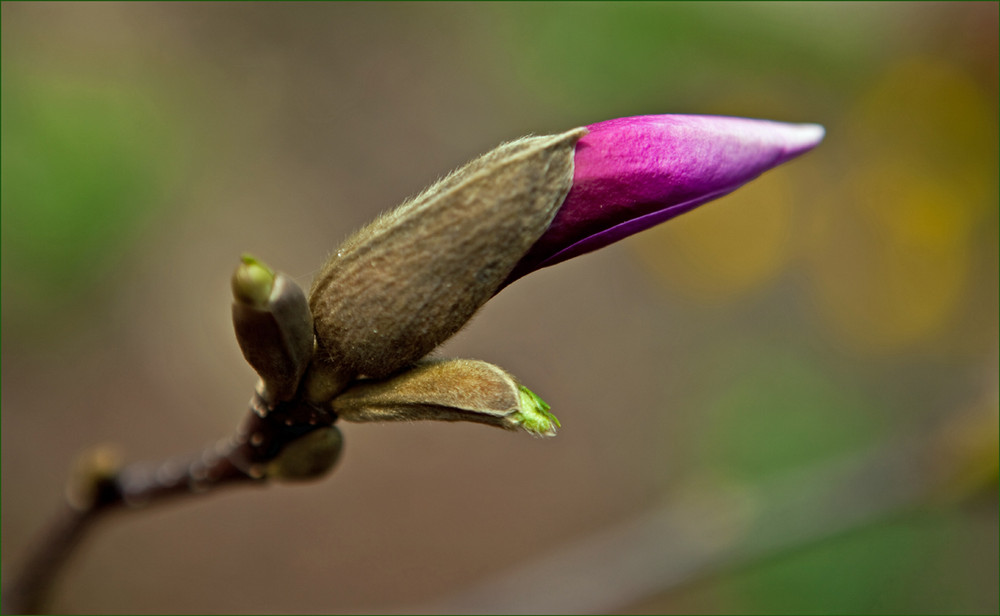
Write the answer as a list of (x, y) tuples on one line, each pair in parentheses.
[(448, 390)]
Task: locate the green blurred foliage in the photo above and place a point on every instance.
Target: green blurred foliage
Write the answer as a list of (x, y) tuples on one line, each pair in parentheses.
[(641, 54), (782, 412), (83, 173), (907, 565)]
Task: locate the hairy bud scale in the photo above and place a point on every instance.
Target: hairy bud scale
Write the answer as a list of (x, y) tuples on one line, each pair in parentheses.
[(404, 284)]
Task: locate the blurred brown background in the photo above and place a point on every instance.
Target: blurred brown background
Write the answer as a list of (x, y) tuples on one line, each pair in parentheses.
[(833, 307)]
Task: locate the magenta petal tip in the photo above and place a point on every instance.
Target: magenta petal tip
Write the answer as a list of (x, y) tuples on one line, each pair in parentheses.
[(633, 173)]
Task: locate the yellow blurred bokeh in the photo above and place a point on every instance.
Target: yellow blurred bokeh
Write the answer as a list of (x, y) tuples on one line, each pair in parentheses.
[(888, 233), (729, 248)]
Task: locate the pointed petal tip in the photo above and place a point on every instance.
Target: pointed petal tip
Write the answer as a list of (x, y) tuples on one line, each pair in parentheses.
[(798, 136), (817, 131), (805, 137), (796, 139), (636, 172)]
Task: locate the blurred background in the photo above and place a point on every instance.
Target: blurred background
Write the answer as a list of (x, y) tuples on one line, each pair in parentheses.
[(783, 402)]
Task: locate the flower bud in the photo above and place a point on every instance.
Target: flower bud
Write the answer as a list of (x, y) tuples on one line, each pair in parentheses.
[(448, 390), (634, 173), (308, 457), (404, 284), (273, 327)]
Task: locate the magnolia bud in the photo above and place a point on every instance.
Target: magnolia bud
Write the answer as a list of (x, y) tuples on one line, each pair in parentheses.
[(273, 327), (308, 457), (448, 390), (402, 285)]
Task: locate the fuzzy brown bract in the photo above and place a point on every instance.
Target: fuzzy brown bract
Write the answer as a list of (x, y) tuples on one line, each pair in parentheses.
[(407, 282)]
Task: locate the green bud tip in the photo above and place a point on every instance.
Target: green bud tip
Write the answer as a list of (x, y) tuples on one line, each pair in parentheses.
[(252, 282), (534, 415)]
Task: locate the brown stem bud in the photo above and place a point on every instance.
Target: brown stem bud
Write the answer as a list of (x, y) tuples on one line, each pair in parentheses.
[(404, 284), (92, 477), (308, 457)]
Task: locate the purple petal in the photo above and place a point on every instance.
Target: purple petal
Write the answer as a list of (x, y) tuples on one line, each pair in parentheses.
[(633, 173)]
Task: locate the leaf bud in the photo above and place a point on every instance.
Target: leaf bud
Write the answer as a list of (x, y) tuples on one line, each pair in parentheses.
[(308, 457), (93, 476), (273, 327)]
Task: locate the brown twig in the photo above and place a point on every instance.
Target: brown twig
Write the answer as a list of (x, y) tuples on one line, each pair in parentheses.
[(99, 486), (136, 486), (27, 592)]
